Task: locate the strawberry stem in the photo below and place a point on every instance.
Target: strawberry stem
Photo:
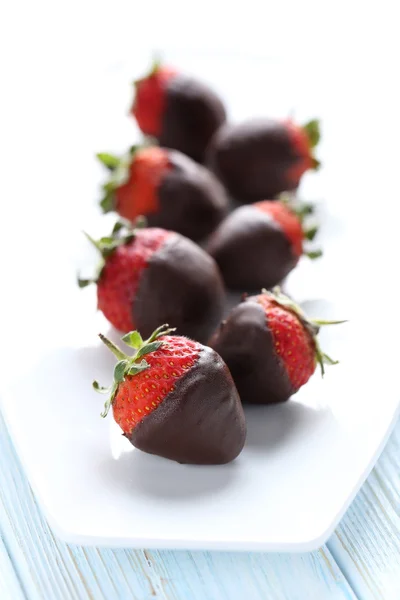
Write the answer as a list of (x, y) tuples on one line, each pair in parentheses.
[(111, 346)]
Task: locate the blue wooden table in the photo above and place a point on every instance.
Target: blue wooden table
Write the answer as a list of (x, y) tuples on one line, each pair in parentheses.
[(360, 561)]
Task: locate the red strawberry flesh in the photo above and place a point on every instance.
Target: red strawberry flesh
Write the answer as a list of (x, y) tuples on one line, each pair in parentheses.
[(138, 196), (293, 343), (141, 394), (287, 220), (150, 101), (120, 277), (301, 145)]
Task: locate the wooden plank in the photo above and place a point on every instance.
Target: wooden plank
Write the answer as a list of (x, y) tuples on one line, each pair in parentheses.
[(51, 570), (367, 543), (10, 588)]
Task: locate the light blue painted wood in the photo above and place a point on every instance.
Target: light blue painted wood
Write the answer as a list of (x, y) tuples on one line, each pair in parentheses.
[(51, 570), (9, 584), (367, 543)]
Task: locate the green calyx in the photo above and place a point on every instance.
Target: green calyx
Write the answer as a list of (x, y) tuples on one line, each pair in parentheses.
[(119, 167), (122, 233), (316, 164), (313, 254), (154, 68), (129, 365), (311, 325), (313, 131), (303, 211), (110, 161), (155, 65)]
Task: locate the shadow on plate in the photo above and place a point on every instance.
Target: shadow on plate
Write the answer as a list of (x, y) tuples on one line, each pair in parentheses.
[(271, 427), (137, 472)]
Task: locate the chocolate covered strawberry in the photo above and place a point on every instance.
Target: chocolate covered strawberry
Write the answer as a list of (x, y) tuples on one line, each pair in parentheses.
[(167, 187), (179, 111), (257, 246), (261, 158), (270, 347), (151, 275), (175, 398)]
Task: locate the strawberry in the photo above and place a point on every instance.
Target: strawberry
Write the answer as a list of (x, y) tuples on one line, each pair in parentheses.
[(259, 245), (170, 189), (148, 274), (261, 158), (179, 111), (270, 347), (175, 398)]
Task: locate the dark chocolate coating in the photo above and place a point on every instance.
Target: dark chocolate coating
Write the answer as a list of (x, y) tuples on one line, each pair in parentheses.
[(191, 199), (181, 286), (251, 250), (201, 421), (252, 159), (192, 115), (246, 345)]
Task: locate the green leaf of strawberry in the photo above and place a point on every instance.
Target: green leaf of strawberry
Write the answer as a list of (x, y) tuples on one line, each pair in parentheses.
[(138, 368), (107, 201), (146, 348), (100, 388), (122, 233), (302, 210), (119, 370), (119, 166), (313, 254), (313, 132), (130, 365), (133, 339), (108, 160), (311, 232), (82, 283)]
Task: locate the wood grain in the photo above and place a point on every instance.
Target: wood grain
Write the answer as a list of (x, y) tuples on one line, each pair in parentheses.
[(48, 569), (9, 584), (367, 543)]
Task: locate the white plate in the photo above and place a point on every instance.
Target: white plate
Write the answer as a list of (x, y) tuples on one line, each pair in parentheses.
[(303, 461)]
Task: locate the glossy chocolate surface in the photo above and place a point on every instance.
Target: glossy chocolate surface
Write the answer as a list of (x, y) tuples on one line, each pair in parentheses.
[(253, 158), (246, 345), (181, 286), (200, 422), (191, 199), (251, 250), (192, 115)]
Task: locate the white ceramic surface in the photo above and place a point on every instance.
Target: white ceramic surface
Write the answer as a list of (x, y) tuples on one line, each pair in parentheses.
[(303, 461)]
